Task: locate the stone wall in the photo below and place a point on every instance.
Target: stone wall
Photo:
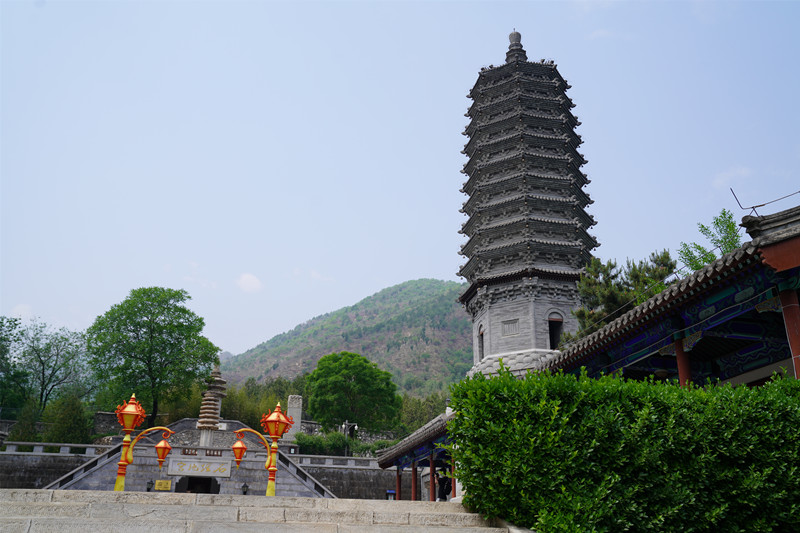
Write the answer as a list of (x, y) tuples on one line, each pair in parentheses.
[(354, 477), (346, 477), (34, 471), (367, 484)]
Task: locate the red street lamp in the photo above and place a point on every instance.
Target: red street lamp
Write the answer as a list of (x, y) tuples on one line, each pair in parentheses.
[(130, 414), (275, 424)]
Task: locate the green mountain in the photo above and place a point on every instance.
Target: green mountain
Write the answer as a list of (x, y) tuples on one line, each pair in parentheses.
[(416, 330)]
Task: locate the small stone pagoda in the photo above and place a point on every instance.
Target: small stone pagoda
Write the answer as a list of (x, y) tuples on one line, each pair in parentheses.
[(528, 228), (211, 407)]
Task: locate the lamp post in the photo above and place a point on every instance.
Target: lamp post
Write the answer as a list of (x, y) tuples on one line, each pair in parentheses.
[(275, 424), (130, 414), (346, 430)]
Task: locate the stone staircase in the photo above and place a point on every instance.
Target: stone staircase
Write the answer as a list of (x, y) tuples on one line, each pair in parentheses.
[(67, 511)]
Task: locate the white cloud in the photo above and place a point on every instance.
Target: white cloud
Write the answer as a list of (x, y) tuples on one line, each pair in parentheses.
[(728, 178), (249, 283)]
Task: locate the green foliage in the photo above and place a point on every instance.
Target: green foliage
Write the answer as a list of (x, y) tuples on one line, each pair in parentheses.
[(185, 403), (723, 234), (13, 377), (247, 403), (67, 420), (369, 449), (151, 345), (396, 325), (416, 412), (335, 443), (331, 443), (566, 453), (347, 386), (25, 429), (55, 360), (607, 292)]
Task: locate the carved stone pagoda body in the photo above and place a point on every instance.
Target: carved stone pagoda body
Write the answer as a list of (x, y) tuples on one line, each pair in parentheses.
[(527, 227)]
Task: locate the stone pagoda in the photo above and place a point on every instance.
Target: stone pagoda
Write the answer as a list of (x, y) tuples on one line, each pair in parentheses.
[(527, 229), (211, 407)]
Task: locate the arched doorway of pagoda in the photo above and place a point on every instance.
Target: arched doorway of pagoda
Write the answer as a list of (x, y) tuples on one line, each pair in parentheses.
[(197, 485)]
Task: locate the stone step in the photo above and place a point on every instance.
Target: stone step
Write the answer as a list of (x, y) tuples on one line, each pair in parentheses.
[(171, 498), (81, 511), (55, 525), (362, 514)]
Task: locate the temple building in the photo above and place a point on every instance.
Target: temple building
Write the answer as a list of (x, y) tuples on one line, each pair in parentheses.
[(736, 320), (528, 228)]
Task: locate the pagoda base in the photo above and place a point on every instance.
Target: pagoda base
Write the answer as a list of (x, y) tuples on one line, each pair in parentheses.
[(518, 362)]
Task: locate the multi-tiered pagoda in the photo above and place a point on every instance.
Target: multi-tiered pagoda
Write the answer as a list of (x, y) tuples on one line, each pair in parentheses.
[(527, 228)]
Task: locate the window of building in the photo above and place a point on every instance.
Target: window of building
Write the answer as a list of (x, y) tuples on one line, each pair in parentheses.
[(480, 343), (555, 323)]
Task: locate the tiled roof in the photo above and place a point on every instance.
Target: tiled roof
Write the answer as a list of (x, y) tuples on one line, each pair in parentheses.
[(427, 433), (674, 293)]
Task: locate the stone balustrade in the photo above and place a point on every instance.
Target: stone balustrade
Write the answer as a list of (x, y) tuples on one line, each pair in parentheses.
[(333, 461), (43, 448)]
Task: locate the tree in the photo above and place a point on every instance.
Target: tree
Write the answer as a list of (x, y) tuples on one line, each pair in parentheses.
[(66, 420), (416, 412), (151, 345), (13, 378), (347, 386), (607, 292), (25, 429), (54, 360), (723, 235)]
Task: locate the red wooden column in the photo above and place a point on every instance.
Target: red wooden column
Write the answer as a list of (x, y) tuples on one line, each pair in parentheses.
[(432, 478), (397, 485), (414, 482), (453, 479), (791, 319), (684, 368)]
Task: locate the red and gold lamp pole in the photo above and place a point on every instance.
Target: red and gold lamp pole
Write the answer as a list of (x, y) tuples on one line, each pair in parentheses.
[(275, 424), (130, 414)]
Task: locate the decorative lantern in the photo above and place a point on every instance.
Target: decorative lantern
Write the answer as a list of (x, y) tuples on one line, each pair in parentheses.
[(162, 449), (130, 414), (239, 448), (276, 423)]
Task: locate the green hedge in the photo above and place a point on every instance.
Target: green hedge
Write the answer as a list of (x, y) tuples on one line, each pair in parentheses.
[(566, 453), (335, 443)]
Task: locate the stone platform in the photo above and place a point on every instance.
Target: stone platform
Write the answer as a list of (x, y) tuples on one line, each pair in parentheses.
[(40, 511)]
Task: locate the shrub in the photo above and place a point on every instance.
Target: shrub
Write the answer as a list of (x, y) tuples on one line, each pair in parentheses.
[(566, 453), (332, 443)]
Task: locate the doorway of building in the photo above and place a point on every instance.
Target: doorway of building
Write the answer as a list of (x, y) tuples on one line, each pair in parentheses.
[(197, 485)]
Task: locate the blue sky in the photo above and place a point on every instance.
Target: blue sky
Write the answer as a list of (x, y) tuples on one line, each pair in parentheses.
[(280, 160)]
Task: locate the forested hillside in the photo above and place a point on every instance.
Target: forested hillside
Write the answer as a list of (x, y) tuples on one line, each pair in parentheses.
[(416, 330)]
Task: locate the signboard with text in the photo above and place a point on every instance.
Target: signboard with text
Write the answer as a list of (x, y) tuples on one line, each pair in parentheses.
[(195, 467)]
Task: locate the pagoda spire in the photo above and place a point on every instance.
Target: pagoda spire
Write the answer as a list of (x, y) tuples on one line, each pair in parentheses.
[(515, 50)]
